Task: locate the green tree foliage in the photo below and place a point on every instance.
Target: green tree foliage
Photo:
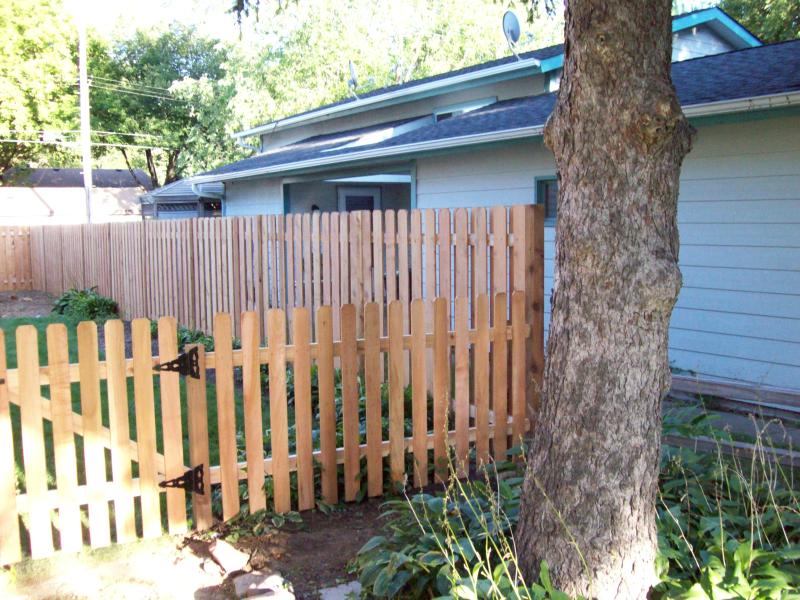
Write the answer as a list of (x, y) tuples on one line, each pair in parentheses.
[(37, 76), (770, 20), (299, 57), (173, 86)]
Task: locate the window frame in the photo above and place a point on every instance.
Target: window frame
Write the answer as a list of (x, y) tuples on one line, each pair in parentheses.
[(539, 196)]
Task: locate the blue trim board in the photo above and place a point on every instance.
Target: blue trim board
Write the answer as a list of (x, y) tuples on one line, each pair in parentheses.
[(715, 14)]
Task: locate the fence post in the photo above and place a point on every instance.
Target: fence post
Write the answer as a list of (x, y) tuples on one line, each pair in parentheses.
[(528, 227)]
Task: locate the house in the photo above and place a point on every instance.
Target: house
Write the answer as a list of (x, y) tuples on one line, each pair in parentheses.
[(57, 197), (473, 137), (183, 200)]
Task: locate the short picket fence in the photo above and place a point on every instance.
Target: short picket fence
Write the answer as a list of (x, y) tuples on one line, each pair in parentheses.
[(86, 447)]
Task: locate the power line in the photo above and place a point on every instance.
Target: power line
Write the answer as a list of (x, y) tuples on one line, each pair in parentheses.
[(99, 144), (122, 90), (129, 83), (94, 132)]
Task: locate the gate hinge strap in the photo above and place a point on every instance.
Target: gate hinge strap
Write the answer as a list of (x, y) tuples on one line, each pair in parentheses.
[(187, 364), (191, 481)]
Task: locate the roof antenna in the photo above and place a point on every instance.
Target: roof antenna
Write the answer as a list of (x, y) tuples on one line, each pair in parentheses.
[(511, 30), (352, 83)]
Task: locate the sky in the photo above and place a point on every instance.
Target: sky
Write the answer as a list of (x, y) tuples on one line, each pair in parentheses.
[(119, 16)]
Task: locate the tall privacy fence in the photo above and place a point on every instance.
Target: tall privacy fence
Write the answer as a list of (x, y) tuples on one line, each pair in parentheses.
[(195, 268), (94, 424)]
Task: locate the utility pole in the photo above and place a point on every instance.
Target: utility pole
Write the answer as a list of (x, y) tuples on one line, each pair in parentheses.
[(86, 132)]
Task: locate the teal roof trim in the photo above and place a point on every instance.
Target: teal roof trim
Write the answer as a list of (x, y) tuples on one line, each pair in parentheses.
[(715, 14), (679, 24)]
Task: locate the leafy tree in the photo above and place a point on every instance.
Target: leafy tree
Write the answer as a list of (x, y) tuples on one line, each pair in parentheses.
[(171, 86), (299, 58), (37, 76), (770, 20)]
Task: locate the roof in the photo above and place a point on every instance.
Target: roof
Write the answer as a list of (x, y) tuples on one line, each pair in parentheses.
[(542, 60), (68, 178), (757, 72), (181, 190)]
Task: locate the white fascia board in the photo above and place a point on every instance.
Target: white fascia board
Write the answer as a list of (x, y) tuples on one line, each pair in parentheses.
[(696, 110), (362, 103)]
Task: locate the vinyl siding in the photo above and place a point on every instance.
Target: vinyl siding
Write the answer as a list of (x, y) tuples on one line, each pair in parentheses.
[(738, 314), (253, 197)]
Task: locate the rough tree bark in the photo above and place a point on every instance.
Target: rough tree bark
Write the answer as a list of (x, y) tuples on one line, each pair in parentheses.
[(619, 137)]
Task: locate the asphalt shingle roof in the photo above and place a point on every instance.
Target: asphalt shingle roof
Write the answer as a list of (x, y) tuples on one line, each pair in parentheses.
[(104, 178), (181, 189), (751, 72)]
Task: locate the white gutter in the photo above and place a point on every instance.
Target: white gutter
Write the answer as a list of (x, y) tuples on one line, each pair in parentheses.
[(743, 104), (206, 194), (430, 86), (697, 110)]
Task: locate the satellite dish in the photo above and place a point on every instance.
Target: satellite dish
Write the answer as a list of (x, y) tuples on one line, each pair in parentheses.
[(352, 83), (511, 30)]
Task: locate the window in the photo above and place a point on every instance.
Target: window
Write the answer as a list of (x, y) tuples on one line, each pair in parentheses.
[(453, 110), (359, 198), (547, 194)]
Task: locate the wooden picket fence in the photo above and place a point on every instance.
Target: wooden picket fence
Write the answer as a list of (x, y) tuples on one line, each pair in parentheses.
[(195, 268), (15, 259), (475, 365)]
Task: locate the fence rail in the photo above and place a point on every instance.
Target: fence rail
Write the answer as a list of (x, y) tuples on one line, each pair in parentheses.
[(305, 428)]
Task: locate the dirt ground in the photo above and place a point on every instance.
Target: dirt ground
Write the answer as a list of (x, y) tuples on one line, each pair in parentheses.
[(314, 554), (310, 555), (25, 304)]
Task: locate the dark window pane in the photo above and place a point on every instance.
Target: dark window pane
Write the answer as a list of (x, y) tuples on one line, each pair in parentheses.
[(359, 202), (547, 194)]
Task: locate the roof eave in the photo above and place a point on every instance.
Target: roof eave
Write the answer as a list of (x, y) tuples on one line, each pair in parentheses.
[(739, 105), (422, 90)]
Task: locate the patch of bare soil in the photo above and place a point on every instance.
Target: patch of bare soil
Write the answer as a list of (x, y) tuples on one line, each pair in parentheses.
[(25, 304), (314, 554)]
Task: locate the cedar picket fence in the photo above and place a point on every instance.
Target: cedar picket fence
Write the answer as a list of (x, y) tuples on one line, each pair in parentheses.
[(474, 408), (195, 268), (15, 259)]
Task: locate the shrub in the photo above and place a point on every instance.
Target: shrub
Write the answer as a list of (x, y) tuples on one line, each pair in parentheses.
[(727, 528), (85, 305)]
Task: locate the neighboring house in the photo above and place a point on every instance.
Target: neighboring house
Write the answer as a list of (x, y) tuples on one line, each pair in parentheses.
[(473, 137), (57, 197), (182, 200)]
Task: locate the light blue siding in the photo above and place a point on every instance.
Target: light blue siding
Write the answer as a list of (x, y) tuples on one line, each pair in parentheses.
[(738, 314), (253, 197)]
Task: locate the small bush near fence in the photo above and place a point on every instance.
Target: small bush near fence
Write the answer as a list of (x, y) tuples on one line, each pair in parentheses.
[(726, 529), (86, 305)]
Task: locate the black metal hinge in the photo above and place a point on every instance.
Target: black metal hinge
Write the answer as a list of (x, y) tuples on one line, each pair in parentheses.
[(191, 481), (187, 364)]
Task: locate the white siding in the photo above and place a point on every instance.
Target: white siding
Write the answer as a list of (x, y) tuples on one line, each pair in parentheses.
[(738, 314), (253, 197), (697, 41)]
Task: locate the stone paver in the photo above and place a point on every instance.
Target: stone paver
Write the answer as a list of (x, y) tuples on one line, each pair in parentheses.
[(346, 591)]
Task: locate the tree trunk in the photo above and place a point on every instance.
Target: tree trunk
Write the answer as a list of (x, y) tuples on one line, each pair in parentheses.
[(151, 168), (619, 137)]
